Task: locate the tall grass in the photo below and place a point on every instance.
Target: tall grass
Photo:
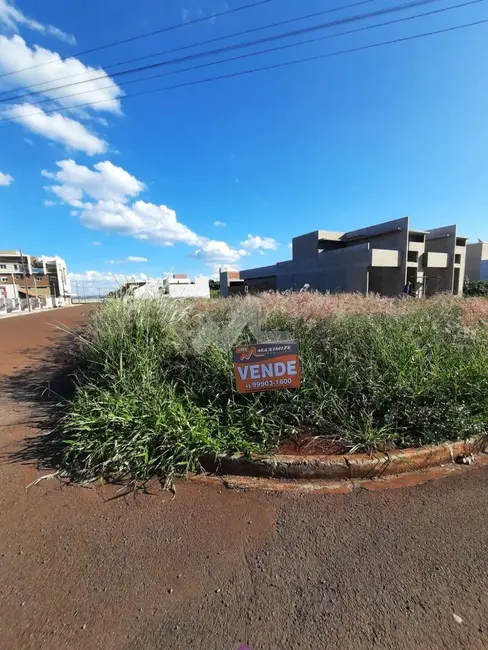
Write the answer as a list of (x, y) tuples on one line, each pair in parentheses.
[(155, 386)]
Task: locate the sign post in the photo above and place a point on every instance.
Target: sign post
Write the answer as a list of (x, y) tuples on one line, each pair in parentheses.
[(266, 366)]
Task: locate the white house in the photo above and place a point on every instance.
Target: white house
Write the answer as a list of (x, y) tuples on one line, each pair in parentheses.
[(176, 286), (56, 268)]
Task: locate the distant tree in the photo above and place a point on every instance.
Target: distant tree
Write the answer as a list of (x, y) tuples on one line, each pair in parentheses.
[(214, 285)]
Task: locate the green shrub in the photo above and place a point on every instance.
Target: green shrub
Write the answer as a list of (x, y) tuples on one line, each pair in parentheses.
[(475, 288), (155, 389)]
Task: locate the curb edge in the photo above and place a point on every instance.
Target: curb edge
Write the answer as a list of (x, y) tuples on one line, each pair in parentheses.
[(365, 466)]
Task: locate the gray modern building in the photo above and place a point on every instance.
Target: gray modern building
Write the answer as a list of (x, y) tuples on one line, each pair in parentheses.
[(477, 261), (377, 259), (446, 261)]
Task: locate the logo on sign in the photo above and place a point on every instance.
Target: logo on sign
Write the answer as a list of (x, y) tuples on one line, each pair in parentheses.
[(267, 366)]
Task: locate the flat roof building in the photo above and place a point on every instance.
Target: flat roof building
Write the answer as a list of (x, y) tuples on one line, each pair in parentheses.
[(377, 259), (477, 261), (24, 277)]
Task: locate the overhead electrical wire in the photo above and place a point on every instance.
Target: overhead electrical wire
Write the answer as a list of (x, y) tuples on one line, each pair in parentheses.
[(190, 45), (260, 52), (141, 36), (229, 48), (269, 67)]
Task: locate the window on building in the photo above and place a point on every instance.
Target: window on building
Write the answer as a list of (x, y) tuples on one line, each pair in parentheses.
[(4, 278), (16, 267), (457, 259), (3, 266), (413, 256), (418, 237), (460, 241)]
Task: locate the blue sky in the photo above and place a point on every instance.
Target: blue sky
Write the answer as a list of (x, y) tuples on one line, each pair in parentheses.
[(337, 143)]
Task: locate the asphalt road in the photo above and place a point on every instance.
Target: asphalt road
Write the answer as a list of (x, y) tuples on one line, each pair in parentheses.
[(215, 568)]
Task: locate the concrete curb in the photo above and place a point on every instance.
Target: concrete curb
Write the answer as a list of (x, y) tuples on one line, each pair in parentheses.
[(365, 466)]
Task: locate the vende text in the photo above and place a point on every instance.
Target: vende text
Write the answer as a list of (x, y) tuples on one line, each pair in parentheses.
[(263, 370)]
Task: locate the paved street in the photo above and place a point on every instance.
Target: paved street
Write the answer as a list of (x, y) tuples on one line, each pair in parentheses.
[(214, 568)]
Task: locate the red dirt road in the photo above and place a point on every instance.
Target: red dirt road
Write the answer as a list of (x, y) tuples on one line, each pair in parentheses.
[(26, 338), (215, 568)]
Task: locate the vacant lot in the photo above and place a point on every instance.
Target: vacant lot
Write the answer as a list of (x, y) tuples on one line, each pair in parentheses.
[(213, 568), (157, 390)]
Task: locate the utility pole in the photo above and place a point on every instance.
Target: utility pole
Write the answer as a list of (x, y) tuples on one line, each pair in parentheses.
[(16, 291), (77, 292), (25, 280), (37, 292)]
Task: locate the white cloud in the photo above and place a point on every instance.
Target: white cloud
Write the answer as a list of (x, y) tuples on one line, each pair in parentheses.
[(216, 268), (132, 259), (257, 242), (28, 141), (11, 17), (220, 224), (92, 85), (5, 179), (213, 251), (95, 243), (103, 194), (141, 220), (16, 55), (58, 128), (93, 282), (63, 36), (105, 197), (48, 203), (224, 267), (106, 182), (135, 258)]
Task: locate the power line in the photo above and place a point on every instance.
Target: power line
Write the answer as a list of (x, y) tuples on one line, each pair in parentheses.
[(357, 17), (185, 47), (236, 46), (274, 49), (140, 36), (269, 67)]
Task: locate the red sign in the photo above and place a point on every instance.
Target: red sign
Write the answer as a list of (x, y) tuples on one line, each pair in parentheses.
[(266, 366)]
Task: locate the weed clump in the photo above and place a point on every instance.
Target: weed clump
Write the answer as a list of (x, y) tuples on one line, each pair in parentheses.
[(155, 390)]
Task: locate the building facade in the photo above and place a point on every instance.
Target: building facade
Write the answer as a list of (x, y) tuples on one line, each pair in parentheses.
[(477, 261), (42, 280), (177, 285), (57, 272), (378, 259), (446, 261)]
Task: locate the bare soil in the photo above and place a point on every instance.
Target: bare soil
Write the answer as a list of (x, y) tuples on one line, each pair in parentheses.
[(214, 568), (308, 445)]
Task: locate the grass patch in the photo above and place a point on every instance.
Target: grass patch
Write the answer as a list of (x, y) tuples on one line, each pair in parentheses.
[(155, 387)]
